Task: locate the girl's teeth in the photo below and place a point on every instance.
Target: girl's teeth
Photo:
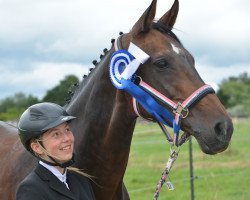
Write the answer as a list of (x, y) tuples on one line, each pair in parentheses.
[(66, 148)]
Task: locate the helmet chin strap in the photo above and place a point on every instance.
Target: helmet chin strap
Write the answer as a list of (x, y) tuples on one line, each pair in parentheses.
[(55, 162), (62, 165)]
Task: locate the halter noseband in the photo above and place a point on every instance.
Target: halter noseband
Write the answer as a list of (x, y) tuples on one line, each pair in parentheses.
[(123, 65)]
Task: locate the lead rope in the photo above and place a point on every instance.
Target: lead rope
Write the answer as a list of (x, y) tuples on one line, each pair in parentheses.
[(172, 157)]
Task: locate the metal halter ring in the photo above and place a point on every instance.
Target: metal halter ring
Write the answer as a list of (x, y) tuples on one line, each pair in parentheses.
[(180, 109)]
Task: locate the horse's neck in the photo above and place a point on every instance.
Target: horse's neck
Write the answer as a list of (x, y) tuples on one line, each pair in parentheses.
[(103, 128)]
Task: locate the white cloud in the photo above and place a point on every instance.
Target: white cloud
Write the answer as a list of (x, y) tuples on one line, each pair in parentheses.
[(213, 75), (38, 35), (41, 78)]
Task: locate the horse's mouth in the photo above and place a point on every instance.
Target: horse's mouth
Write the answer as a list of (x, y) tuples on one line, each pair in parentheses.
[(213, 147)]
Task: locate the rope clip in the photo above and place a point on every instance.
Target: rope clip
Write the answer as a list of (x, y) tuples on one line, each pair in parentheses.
[(174, 151)]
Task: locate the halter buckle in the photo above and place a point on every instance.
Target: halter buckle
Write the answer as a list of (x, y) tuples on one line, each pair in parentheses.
[(183, 112)]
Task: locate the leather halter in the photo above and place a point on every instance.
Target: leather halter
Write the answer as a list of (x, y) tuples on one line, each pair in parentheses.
[(145, 95)]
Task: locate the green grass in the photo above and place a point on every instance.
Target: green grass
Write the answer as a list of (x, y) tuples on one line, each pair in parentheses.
[(225, 176)]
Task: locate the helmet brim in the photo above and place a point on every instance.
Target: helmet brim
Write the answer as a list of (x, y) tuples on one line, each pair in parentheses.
[(58, 121)]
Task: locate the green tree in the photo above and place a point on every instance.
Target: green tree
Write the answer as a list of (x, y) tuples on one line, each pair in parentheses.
[(59, 93), (234, 93), (11, 107)]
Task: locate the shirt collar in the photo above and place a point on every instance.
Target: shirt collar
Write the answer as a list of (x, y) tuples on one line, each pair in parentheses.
[(55, 171)]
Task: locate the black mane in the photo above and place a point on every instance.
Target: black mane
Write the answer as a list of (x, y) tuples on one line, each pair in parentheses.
[(74, 89)]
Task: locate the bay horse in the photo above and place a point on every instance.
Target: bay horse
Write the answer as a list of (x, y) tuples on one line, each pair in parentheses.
[(106, 118)]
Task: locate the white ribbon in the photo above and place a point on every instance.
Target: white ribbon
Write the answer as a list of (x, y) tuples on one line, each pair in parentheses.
[(140, 58)]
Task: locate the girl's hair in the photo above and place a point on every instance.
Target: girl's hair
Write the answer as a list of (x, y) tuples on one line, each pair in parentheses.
[(79, 171)]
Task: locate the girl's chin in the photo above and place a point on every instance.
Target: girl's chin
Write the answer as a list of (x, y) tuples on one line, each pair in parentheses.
[(66, 158)]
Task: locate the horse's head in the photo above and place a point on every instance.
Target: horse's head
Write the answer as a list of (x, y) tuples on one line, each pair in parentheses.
[(171, 71)]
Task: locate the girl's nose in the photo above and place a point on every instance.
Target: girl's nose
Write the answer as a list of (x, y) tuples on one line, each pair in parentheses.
[(67, 136)]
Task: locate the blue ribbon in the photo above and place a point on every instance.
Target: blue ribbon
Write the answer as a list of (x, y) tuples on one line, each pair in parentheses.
[(147, 102)]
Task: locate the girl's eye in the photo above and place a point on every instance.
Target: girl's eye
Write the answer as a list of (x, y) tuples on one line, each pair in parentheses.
[(67, 129), (55, 134), (161, 64)]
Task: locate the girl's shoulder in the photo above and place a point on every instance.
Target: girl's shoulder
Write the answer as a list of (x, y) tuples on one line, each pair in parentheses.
[(28, 188), (29, 179)]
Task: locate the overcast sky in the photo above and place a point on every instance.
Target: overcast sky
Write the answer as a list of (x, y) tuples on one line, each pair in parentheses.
[(41, 41)]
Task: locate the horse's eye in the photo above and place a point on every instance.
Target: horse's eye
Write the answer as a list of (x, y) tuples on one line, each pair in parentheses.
[(161, 64)]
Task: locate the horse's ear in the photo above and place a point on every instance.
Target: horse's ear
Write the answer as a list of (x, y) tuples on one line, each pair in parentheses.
[(169, 18), (145, 21)]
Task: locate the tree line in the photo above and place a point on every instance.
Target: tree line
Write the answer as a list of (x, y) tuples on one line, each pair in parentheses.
[(233, 92), (12, 107)]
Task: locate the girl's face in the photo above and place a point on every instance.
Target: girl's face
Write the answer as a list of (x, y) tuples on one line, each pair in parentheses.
[(59, 142)]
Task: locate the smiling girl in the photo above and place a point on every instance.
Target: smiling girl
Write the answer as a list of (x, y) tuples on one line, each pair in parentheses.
[(45, 132)]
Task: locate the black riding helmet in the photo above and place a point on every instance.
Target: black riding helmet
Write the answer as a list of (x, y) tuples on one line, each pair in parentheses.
[(39, 118)]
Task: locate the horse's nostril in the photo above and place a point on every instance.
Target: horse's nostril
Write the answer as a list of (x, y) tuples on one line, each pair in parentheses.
[(221, 130)]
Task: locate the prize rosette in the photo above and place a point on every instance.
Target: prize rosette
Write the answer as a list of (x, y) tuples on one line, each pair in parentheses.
[(118, 62)]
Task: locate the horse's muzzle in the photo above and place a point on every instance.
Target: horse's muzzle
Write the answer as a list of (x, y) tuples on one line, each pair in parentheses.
[(215, 140)]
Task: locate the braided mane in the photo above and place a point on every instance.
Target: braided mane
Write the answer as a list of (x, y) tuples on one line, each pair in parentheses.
[(74, 89)]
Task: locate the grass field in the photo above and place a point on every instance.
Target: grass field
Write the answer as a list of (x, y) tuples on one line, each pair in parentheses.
[(225, 176)]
